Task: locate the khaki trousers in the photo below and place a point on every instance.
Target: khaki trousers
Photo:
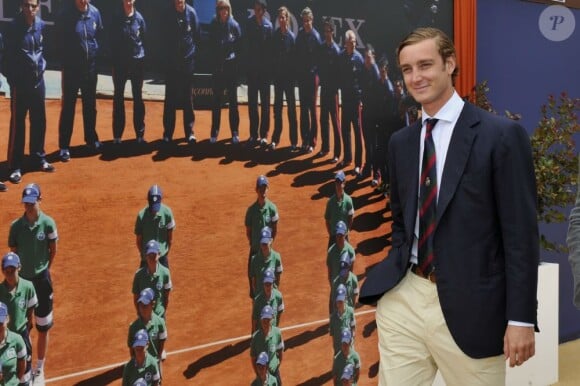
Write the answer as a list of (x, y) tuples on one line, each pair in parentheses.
[(414, 341)]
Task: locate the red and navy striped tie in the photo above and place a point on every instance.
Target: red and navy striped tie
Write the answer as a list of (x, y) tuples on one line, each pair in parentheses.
[(427, 201)]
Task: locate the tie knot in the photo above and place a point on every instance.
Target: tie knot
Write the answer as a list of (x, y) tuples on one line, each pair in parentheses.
[(430, 124)]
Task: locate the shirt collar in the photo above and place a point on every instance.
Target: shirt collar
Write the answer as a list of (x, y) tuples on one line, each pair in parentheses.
[(449, 112)]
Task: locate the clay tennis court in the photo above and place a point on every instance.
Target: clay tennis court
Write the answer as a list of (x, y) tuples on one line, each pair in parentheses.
[(94, 200)]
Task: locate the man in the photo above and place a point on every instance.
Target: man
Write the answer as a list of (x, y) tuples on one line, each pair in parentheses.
[(340, 250), (350, 72), (346, 356), (283, 48), (154, 276), (24, 70), (12, 352), (33, 237), (20, 297), (79, 29), (468, 259), (348, 280), (258, 39), (152, 323), (370, 110), (141, 369), (307, 46), (263, 378), (224, 39), (260, 214), (338, 208), (155, 222), (268, 339), (181, 40), (327, 70), (268, 296), (265, 259), (341, 318), (573, 241), (128, 31)]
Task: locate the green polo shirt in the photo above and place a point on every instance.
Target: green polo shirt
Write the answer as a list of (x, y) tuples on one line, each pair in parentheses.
[(270, 381), (12, 350), (340, 362), (258, 264), (333, 258), (271, 344), (18, 301), (338, 323), (155, 227), (275, 301), (257, 217), (156, 330), (32, 243), (338, 210), (159, 282), (149, 372)]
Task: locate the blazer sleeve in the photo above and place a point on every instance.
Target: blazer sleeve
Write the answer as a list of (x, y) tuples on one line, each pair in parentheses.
[(573, 241)]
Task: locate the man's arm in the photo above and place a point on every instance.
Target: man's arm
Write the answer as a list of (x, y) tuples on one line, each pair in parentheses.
[(52, 252)]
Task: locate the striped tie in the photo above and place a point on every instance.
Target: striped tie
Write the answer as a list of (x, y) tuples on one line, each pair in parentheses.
[(427, 201)]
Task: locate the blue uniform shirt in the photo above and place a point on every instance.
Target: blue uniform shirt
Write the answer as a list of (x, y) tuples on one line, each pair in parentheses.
[(328, 58), (181, 39), (369, 84), (25, 62), (259, 44), (79, 37), (224, 39), (351, 69), (307, 48), (127, 38), (283, 47)]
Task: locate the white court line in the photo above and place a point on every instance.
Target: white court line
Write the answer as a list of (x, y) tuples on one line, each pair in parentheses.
[(194, 348)]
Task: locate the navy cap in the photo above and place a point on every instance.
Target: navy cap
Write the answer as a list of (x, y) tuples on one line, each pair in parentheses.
[(340, 176), (265, 235), (3, 312), (34, 186), (154, 197), (141, 338), (345, 336), (267, 312), (261, 181), (262, 359), (10, 259), (269, 276), (341, 293), (152, 247), (30, 195), (348, 372), (140, 382), (340, 228), (146, 296)]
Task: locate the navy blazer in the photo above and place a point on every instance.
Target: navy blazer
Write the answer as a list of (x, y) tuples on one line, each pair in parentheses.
[(486, 237)]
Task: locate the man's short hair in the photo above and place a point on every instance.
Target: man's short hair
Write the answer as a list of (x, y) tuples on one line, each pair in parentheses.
[(328, 24), (283, 11), (444, 44), (307, 12)]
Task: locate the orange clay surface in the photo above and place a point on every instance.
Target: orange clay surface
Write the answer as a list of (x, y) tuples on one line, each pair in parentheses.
[(94, 200)]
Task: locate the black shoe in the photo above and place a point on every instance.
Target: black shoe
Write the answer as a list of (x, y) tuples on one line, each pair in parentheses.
[(15, 176), (64, 155), (3, 187), (192, 140), (46, 167)]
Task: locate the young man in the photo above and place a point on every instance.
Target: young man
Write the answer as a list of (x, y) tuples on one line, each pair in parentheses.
[(20, 297), (283, 49), (328, 72), (24, 70), (265, 259), (258, 39), (155, 222), (154, 276), (342, 318), (79, 29), (346, 356), (224, 39), (268, 339), (143, 368), (340, 250), (350, 73), (152, 323), (347, 279), (263, 378), (260, 214), (181, 40), (33, 237), (338, 208), (268, 296), (370, 110), (307, 46), (128, 31), (12, 353), (480, 276)]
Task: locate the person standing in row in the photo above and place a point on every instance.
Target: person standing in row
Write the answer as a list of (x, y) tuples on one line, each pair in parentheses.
[(181, 40), (33, 237), (350, 73), (224, 39), (143, 368), (128, 31), (338, 208), (328, 72), (12, 353), (370, 110), (79, 29), (307, 47), (258, 39), (24, 70), (284, 79)]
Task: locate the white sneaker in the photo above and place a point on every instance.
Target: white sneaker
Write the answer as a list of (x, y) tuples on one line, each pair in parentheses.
[(38, 378), (213, 140), (163, 355)]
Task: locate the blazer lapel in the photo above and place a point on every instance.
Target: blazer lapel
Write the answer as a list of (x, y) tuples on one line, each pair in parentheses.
[(459, 149)]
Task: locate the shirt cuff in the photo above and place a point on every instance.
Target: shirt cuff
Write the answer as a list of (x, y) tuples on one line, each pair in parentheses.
[(519, 324)]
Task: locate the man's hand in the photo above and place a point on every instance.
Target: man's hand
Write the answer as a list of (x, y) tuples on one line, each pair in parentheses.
[(519, 344)]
